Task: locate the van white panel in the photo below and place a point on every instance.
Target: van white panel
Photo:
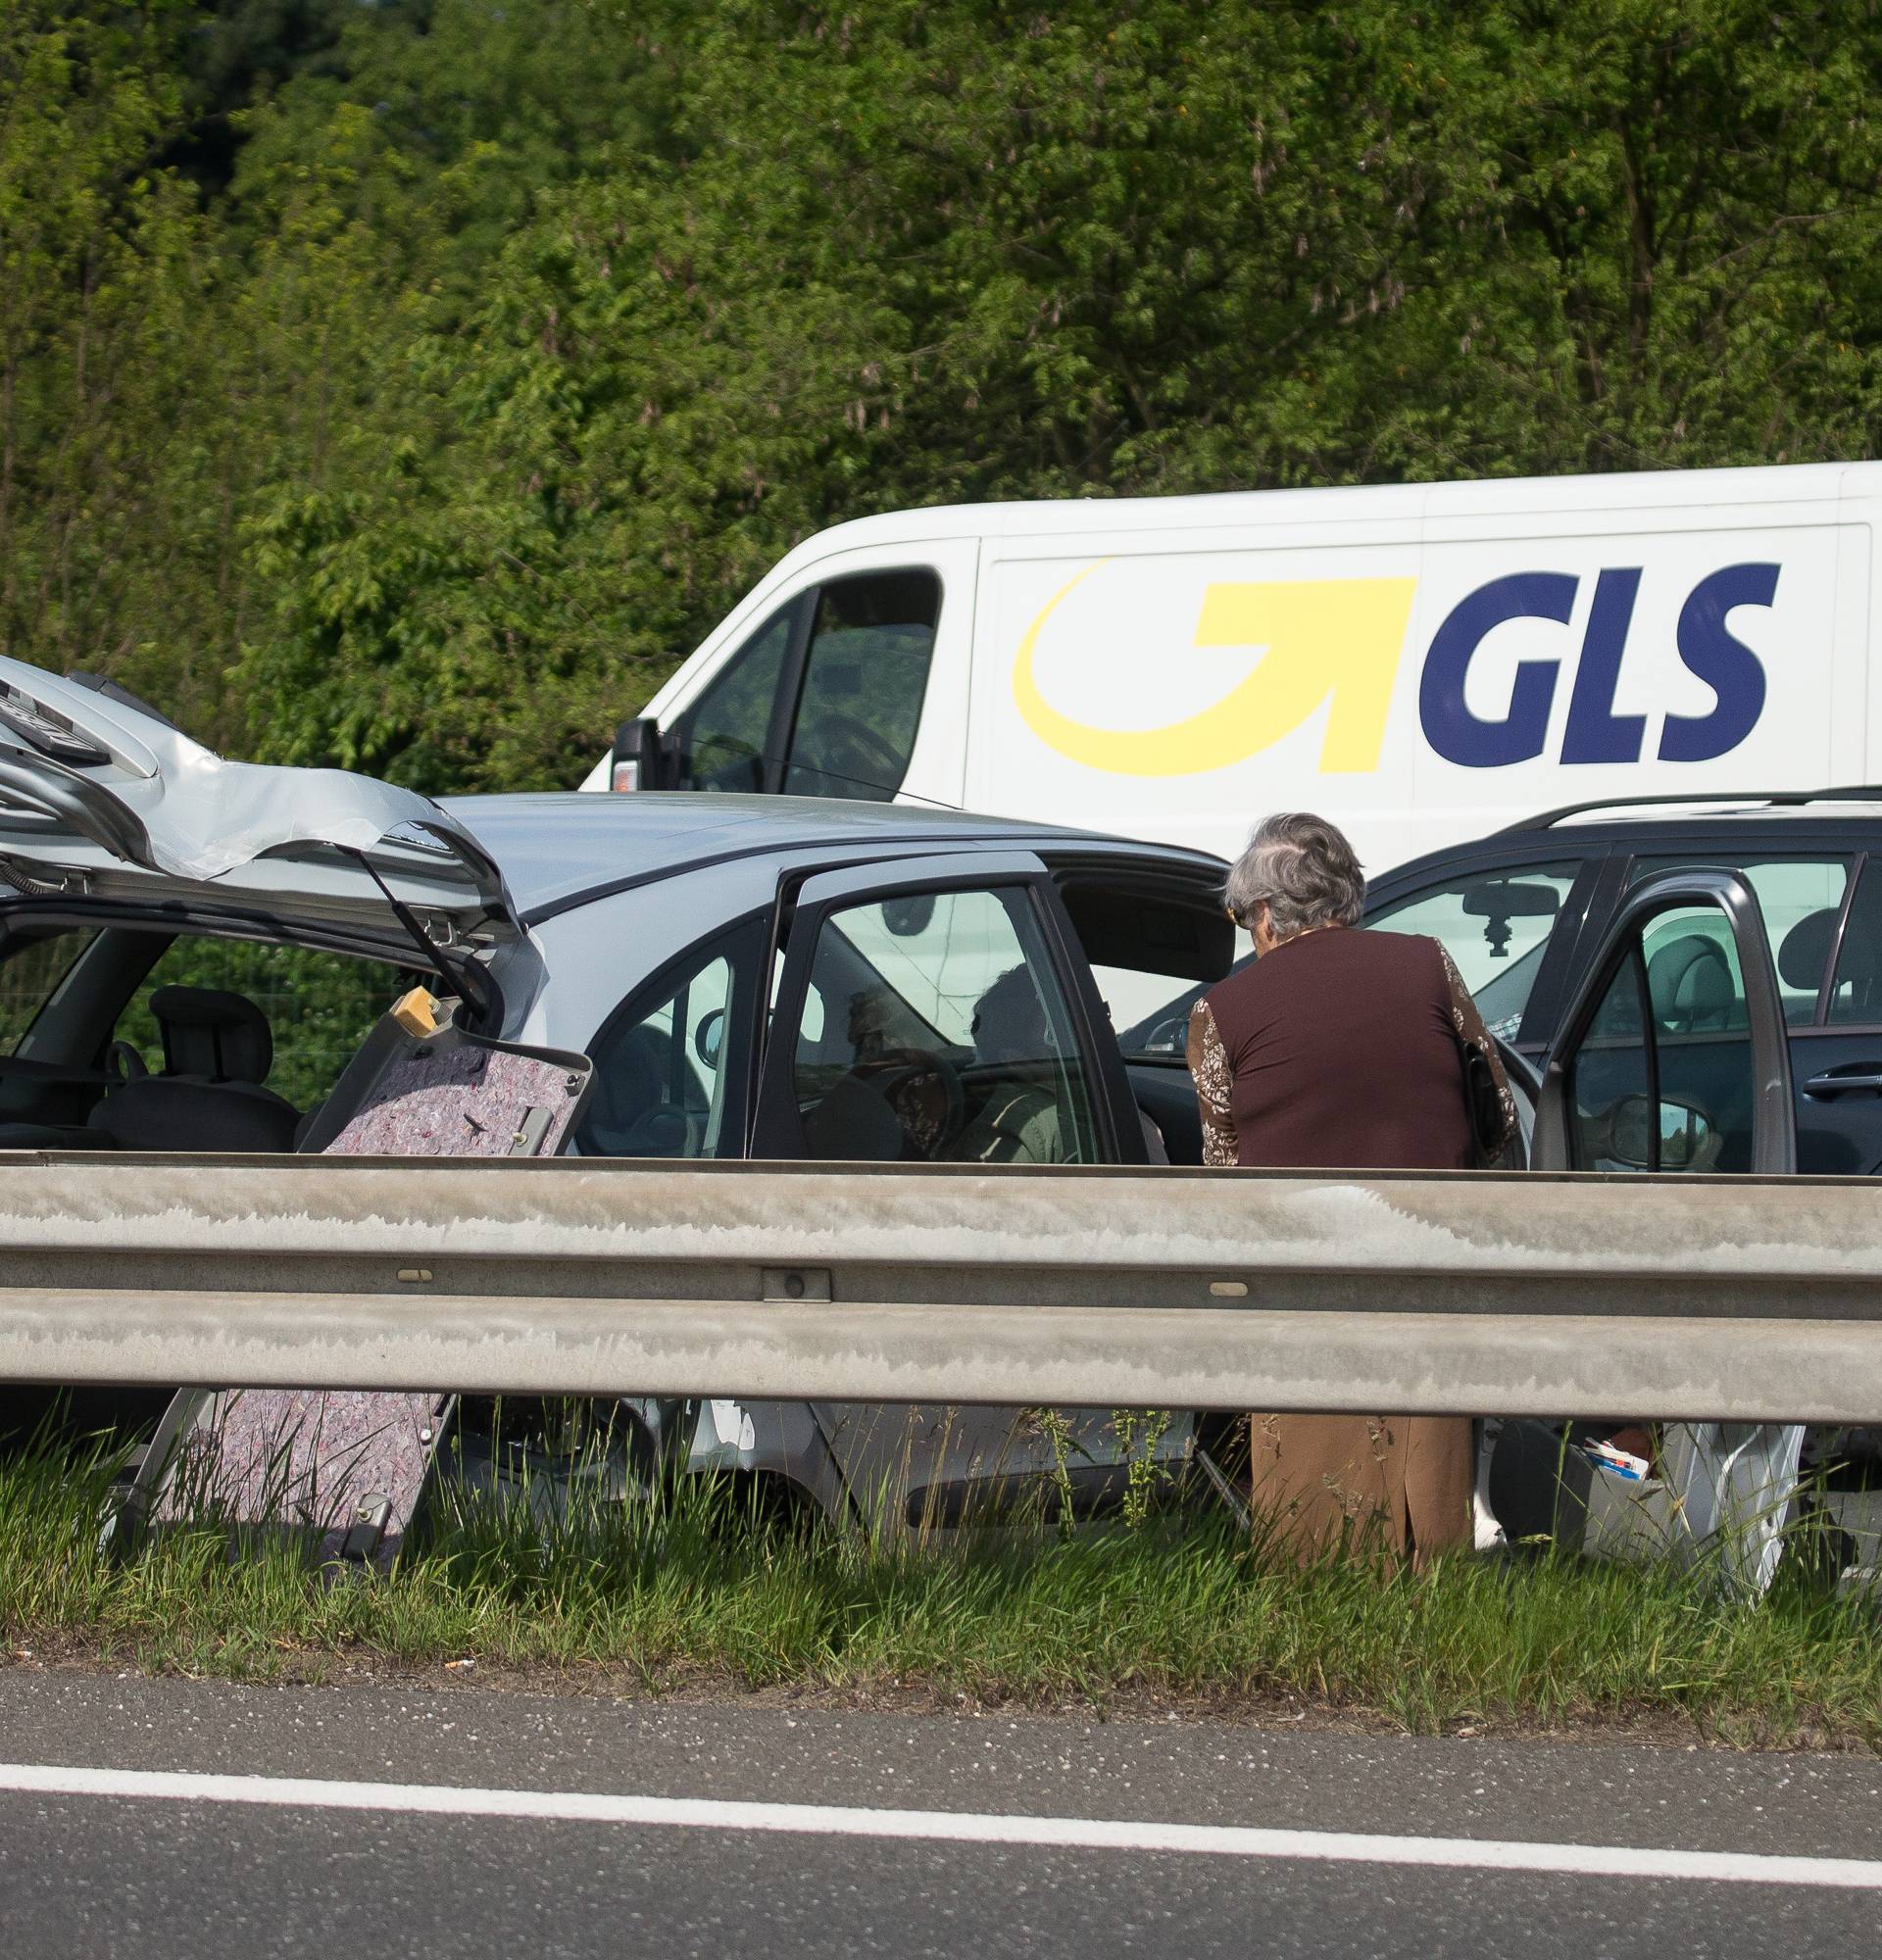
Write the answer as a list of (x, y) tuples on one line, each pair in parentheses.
[(1419, 679)]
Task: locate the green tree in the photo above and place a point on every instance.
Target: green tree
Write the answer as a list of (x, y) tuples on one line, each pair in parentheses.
[(524, 335)]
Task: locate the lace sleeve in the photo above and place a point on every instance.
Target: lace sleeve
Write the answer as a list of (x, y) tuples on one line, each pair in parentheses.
[(1209, 1070), (1471, 1028)]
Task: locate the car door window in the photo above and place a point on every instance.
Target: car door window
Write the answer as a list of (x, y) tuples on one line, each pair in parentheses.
[(936, 1029), (1496, 925), (1612, 1085), (670, 1063), (725, 736), (1855, 992), (865, 672), (1664, 1079), (1702, 1038), (1801, 899)]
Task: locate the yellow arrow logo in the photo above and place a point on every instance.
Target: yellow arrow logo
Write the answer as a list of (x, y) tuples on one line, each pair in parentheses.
[(1324, 636)]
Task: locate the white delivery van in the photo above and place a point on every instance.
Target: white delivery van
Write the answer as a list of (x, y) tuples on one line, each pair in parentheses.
[(1421, 663)]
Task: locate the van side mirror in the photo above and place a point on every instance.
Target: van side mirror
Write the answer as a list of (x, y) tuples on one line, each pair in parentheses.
[(636, 758)]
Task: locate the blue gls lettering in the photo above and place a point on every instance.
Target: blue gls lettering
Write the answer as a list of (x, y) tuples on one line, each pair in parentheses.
[(1729, 667), (1460, 736), (1593, 732)]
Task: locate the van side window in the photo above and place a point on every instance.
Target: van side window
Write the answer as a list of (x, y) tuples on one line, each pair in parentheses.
[(864, 675), (1496, 925), (725, 736)]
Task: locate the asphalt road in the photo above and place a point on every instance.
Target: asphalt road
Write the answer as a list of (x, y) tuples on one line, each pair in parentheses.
[(527, 1825)]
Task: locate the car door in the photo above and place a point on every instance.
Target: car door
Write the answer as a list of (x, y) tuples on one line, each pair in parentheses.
[(1838, 1059), (1672, 1054), (937, 1010), (1673, 1059), (1823, 916)]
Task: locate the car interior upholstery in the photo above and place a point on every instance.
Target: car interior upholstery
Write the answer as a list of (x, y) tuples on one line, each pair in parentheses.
[(1690, 984), (1806, 951), (218, 1049)]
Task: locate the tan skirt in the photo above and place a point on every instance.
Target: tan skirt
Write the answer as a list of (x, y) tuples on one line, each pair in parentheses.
[(1393, 1484)]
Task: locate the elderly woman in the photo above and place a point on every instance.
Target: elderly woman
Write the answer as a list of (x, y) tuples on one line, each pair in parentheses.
[(1341, 1050)]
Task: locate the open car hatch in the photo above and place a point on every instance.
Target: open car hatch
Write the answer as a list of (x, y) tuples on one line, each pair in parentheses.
[(101, 800)]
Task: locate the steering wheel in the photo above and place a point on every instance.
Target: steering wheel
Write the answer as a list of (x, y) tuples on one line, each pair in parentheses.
[(125, 1063), (924, 1090), (868, 761)]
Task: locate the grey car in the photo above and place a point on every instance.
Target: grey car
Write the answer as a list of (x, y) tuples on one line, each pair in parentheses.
[(192, 949)]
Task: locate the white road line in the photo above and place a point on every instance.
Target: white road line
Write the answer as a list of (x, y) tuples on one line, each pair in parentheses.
[(1622, 1861)]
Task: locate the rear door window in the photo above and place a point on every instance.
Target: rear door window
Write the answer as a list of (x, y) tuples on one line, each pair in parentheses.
[(1801, 899), (670, 1067), (1496, 925)]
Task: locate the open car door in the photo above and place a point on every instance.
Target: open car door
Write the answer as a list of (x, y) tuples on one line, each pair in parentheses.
[(937, 1010), (1673, 1060)]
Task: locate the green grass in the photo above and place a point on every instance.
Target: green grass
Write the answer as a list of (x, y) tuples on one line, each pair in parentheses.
[(674, 1594)]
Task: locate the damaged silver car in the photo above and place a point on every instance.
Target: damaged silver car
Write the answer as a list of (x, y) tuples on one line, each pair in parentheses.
[(201, 955)]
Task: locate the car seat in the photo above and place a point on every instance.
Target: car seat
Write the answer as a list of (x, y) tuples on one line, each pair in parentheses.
[(1806, 951), (855, 1123), (630, 1116), (1690, 984), (217, 1053), (1859, 969)]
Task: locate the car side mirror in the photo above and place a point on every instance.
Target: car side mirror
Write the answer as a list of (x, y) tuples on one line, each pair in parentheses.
[(909, 915), (1688, 1137), (709, 1037)]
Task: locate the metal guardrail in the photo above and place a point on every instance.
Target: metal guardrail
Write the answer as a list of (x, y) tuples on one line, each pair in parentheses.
[(1727, 1299)]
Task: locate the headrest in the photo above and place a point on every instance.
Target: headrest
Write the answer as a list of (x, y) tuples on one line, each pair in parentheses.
[(1689, 980), (209, 1033), (1806, 951)]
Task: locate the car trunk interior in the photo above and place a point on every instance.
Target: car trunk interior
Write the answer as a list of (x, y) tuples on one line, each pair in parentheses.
[(122, 1038)]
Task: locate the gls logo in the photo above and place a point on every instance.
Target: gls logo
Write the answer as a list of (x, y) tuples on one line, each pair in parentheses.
[(1595, 733), (1339, 642)]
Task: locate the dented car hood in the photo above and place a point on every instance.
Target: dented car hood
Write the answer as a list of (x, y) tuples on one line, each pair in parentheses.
[(99, 798)]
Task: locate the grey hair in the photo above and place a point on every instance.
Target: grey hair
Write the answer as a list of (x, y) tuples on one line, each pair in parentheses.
[(1306, 871)]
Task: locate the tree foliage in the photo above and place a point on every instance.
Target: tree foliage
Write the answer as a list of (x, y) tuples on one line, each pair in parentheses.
[(514, 340)]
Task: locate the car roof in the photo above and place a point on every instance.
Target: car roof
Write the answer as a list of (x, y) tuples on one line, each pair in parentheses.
[(1607, 824), (560, 849), (1784, 821)]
